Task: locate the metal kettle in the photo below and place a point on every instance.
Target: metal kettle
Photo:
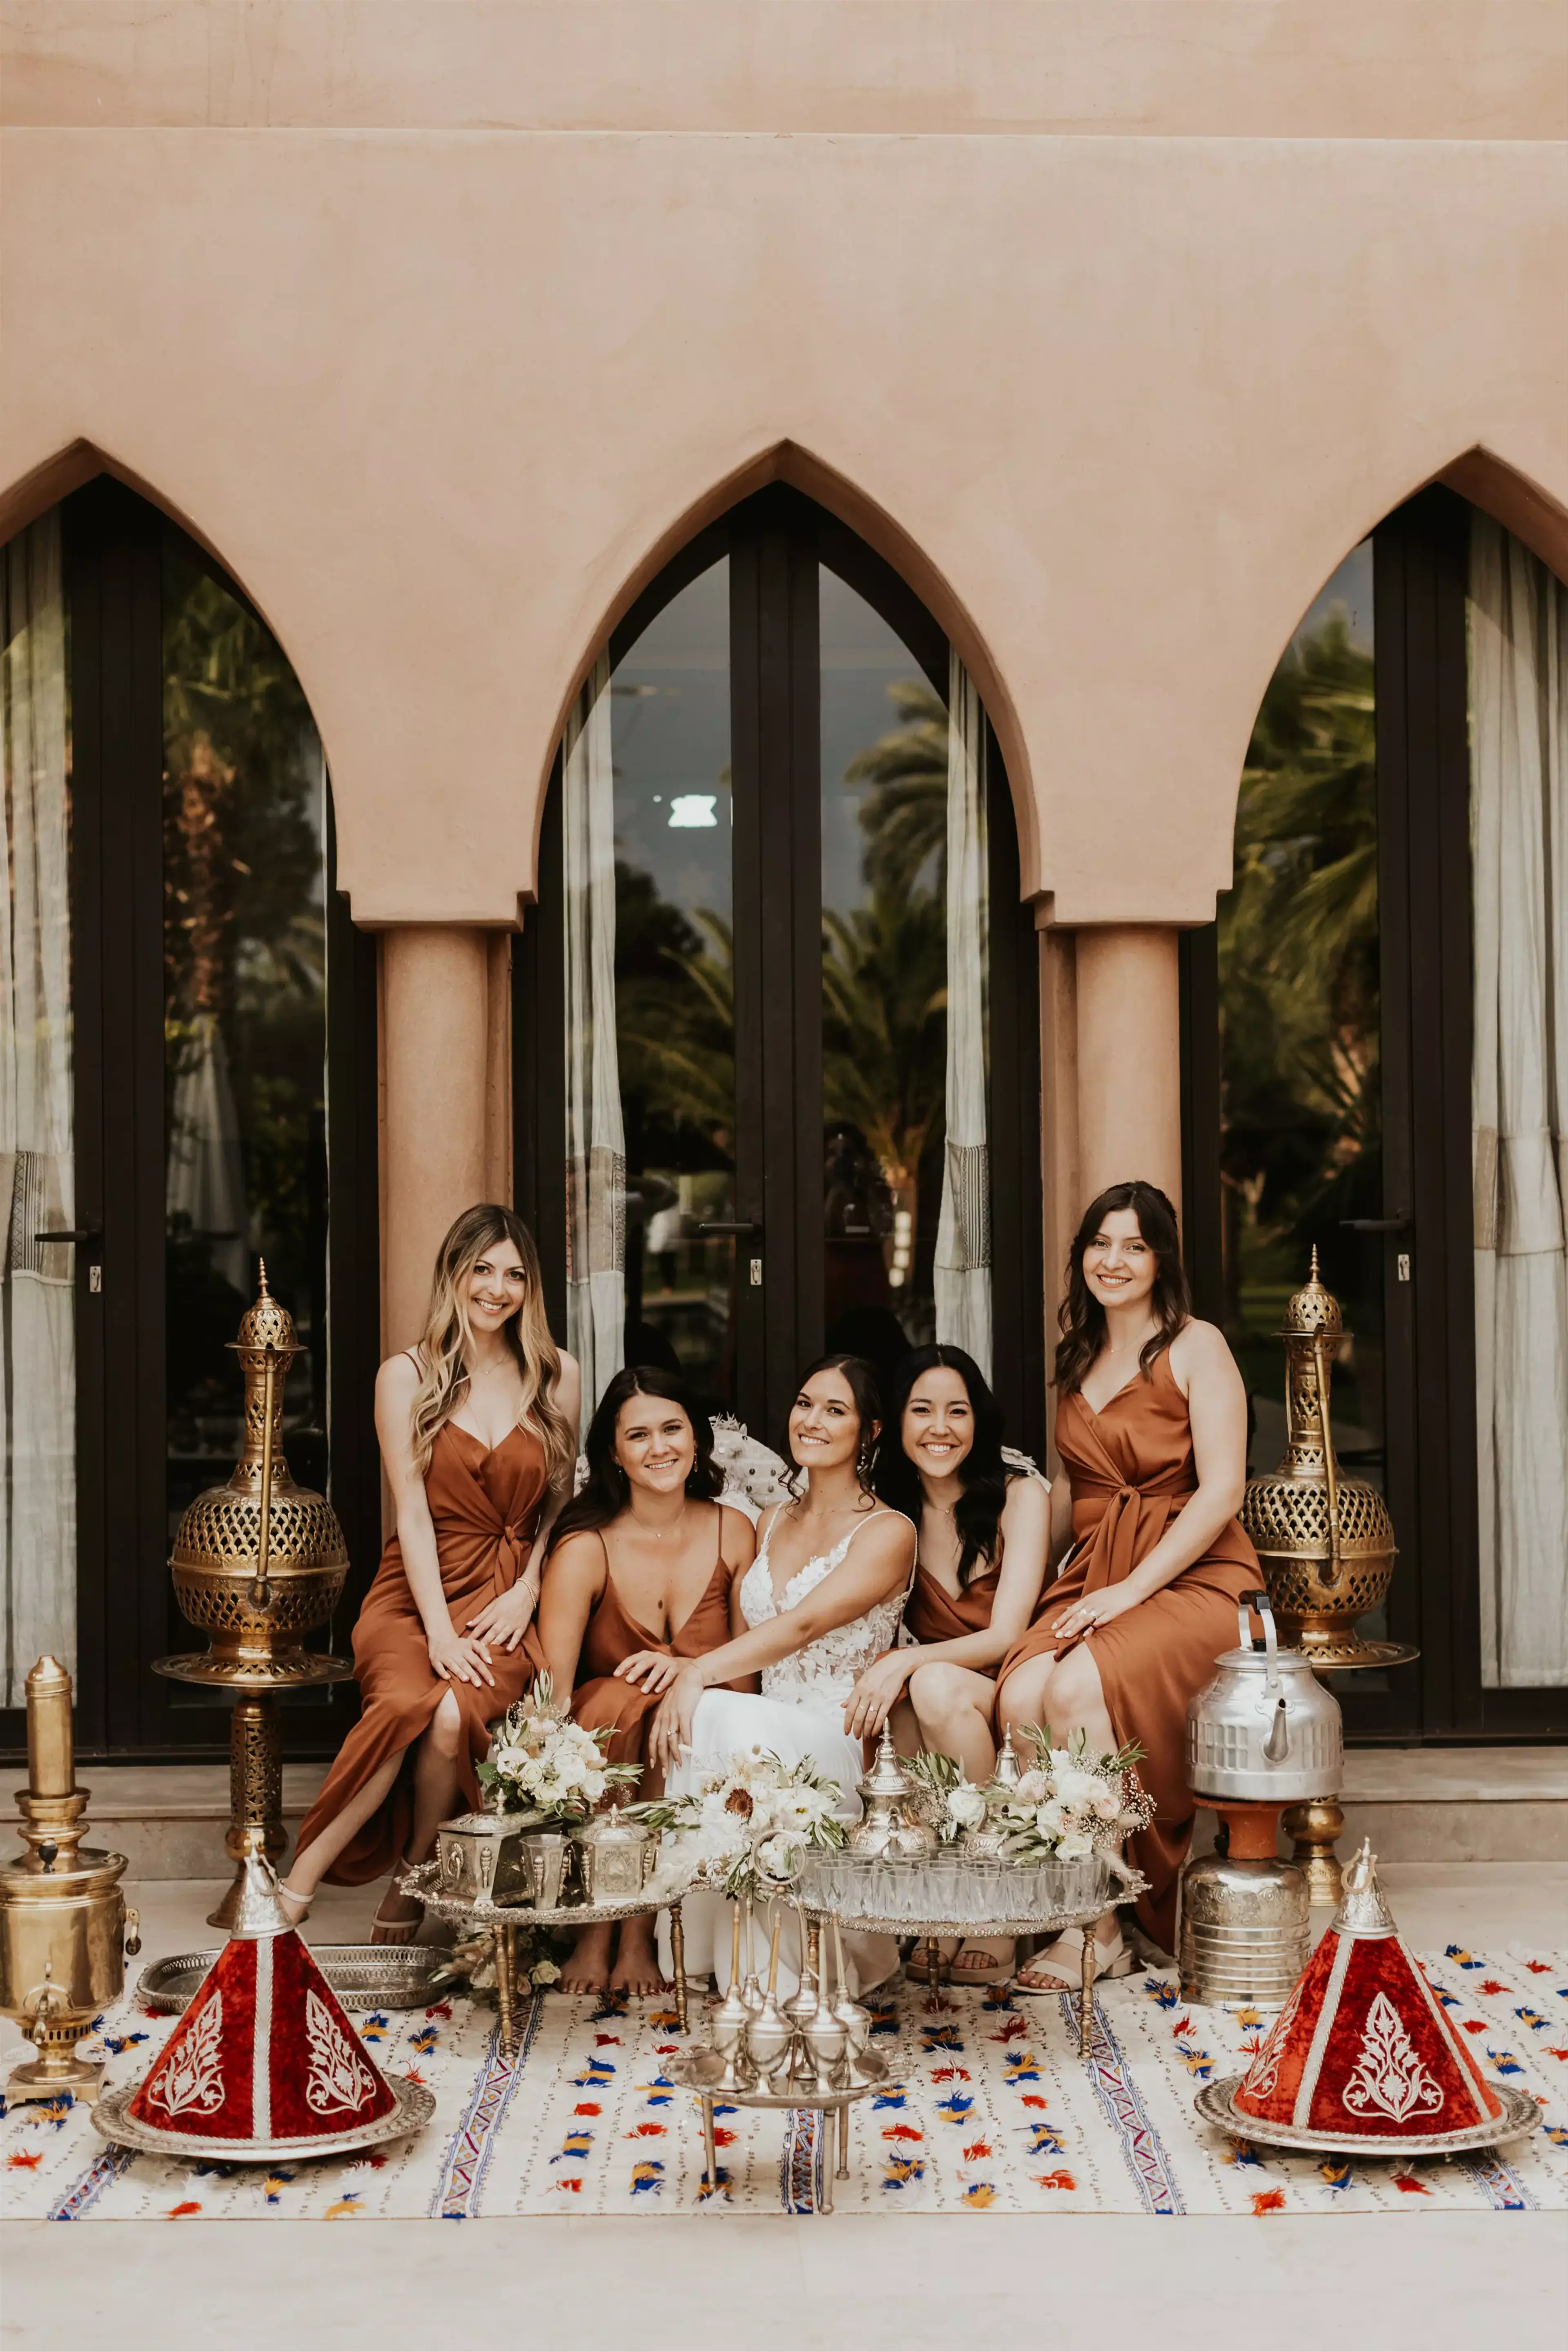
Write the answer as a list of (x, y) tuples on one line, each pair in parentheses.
[(1264, 1731)]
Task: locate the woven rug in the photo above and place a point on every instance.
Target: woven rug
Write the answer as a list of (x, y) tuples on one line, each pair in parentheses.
[(988, 2109)]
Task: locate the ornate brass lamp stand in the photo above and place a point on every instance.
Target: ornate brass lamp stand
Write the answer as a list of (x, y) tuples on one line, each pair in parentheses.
[(256, 1564), (1326, 1546)]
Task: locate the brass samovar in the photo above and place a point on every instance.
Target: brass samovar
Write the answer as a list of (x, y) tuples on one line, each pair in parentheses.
[(63, 1920), (258, 1563), (1326, 1543)]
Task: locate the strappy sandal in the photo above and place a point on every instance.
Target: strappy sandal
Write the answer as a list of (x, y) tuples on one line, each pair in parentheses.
[(996, 1969), (287, 1895), (395, 1931), (1062, 1962)]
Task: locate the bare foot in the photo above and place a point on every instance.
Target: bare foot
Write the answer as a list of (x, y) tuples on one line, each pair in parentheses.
[(588, 1970), (981, 1962), (636, 1969), (397, 1918)]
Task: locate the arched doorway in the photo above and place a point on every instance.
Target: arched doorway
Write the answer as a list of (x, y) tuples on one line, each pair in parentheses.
[(780, 868), (1340, 1020), (189, 1030)]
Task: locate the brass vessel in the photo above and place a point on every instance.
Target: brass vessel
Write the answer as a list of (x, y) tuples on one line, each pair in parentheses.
[(258, 1563), (1325, 1540), (63, 1920)]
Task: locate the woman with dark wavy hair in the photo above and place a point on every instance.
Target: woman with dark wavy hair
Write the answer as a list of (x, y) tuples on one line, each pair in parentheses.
[(645, 1561), (1151, 1426), (984, 1530)]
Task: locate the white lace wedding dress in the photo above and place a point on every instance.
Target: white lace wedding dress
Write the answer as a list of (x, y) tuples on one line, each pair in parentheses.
[(800, 1714)]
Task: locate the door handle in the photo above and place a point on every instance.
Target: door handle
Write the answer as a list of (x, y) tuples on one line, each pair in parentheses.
[(1400, 1224), (738, 1225), (73, 1233)]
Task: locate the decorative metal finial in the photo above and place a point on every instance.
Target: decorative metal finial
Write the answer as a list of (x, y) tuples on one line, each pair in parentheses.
[(1362, 1909)]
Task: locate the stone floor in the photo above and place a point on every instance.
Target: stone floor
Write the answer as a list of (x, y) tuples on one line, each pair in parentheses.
[(1401, 2281)]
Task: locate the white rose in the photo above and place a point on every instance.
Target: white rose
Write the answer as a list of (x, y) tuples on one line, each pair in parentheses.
[(1033, 1787), (1073, 1848), (966, 1806), (1049, 1819), (594, 1785), (511, 1761), (1079, 1790)]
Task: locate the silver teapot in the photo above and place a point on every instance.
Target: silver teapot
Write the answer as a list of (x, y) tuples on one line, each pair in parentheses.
[(1264, 1731), (890, 1826)]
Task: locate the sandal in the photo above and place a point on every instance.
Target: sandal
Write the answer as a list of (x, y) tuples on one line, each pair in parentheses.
[(287, 1896), (994, 1968), (1062, 1963)]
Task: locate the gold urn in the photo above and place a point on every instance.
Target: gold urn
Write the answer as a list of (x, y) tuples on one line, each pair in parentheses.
[(63, 1920), (1325, 1540), (258, 1563), (255, 1581)]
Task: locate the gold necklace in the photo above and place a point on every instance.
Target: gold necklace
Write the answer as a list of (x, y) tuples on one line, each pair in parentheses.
[(646, 1527)]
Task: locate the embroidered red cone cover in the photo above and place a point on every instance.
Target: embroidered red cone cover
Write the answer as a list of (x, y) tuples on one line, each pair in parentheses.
[(1363, 2048), (264, 2053)]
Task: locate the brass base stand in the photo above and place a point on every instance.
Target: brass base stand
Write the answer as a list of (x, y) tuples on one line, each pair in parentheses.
[(256, 1755), (55, 2071), (1315, 1829)]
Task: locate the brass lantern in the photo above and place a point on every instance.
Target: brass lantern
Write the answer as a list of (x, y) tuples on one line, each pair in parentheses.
[(258, 1563), (1325, 1541)]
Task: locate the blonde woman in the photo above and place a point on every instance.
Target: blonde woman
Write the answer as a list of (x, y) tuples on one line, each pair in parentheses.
[(478, 1429)]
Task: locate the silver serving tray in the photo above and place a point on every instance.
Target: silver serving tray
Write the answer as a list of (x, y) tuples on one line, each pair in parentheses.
[(363, 1976), (414, 2107), (1216, 2103)]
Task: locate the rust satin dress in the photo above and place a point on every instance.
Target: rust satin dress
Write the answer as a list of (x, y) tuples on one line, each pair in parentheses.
[(1130, 1469), (484, 1504), (933, 1614), (612, 1634)]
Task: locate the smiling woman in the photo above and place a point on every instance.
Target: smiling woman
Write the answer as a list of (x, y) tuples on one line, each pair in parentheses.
[(444, 1643)]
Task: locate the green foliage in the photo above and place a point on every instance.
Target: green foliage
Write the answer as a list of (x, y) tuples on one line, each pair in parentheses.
[(1298, 960)]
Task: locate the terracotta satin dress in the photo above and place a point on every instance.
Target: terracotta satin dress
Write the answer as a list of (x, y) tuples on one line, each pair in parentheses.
[(485, 1504), (612, 1634), (1130, 1468), (933, 1614)]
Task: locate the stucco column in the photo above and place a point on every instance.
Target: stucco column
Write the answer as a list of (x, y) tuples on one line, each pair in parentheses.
[(436, 991), (1129, 1057)]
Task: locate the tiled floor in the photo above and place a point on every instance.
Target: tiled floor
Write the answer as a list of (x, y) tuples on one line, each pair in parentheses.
[(1404, 2282)]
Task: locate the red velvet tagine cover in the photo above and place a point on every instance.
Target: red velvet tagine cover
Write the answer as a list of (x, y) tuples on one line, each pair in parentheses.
[(1363, 2050), (264, 2056)]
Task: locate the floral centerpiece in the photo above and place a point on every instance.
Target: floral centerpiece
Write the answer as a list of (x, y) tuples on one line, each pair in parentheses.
[(1069, 1803), (747, 1827), (543, 1770)]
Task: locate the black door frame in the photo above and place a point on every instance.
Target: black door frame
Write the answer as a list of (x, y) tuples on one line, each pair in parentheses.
[(113, 548), (775, 541), (1420, 563)]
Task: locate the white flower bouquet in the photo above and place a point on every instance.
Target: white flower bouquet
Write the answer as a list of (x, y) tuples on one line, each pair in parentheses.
[(543, 1770), (746, 1828), (1069, 1803)]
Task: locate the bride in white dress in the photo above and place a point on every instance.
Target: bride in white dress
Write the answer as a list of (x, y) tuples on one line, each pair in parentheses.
[(822, 1599)]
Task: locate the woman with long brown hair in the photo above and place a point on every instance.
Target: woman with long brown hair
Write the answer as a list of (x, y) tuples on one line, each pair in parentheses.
[(645, 1559), (1151, 1426), (478, 1429)]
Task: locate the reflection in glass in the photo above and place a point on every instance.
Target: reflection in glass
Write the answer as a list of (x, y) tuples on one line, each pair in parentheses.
[(1300, 1022), (675, 996), (244, 1023), (884, 980)]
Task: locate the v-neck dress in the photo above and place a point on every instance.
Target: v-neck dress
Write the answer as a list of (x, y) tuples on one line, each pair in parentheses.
[(613, 1634), (485, 1507), (1130, 1469)]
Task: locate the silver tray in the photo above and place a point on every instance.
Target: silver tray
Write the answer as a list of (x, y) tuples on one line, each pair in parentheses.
[(363, 1976), (1216, 2104), (414, 2107), (688, 2071), (421, 1880)]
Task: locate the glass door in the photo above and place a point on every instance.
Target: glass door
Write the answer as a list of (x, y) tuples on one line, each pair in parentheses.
[(734, 1000)]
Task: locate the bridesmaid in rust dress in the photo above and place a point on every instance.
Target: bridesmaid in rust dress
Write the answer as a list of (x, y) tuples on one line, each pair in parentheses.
[(984, 1538), (644, 1560), (1151, 1427), (477, 1430)]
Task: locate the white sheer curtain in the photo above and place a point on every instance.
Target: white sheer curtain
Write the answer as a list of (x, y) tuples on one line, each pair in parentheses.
[(37, 1186), (1518, 820), (595, 1142), (962, 1270)]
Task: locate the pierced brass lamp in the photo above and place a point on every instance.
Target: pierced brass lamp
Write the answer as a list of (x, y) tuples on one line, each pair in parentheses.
[(258, 1563)]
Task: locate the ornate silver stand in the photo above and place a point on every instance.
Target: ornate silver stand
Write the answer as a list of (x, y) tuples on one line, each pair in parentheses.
[(504, 1920), (703, 2071)]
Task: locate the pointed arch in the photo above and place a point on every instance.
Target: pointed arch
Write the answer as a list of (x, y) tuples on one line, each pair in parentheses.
[(789, 461)]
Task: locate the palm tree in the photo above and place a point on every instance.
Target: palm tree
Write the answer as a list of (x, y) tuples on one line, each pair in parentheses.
[(904, 817)]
